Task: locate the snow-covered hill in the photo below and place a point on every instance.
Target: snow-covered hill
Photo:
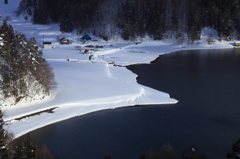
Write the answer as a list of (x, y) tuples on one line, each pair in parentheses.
[(86, 86)]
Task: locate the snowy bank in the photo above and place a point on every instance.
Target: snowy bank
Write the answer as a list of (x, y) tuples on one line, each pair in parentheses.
[(85, 85), (92, 86)]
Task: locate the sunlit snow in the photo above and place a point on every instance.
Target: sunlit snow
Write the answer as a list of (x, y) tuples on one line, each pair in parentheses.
[(85, 85)]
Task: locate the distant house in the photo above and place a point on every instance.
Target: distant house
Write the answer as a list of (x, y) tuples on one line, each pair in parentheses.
[(64, 41), (85, 38), (47, 45), (237, 43)]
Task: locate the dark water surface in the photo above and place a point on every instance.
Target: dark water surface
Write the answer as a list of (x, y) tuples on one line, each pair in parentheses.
[(207, 85)]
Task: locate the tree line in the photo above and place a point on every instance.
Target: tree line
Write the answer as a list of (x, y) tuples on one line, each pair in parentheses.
[(22, 148), (165, 19), (23, 71)]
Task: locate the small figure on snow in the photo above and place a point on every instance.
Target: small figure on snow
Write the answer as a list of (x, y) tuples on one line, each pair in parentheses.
[(90, 57)]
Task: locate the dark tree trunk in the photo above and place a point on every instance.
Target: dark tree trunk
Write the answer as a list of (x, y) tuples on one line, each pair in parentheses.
[(6, 1)]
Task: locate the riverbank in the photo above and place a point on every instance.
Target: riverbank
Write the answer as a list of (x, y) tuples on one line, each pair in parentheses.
[(88, 87), (85, 85), (206, 84)]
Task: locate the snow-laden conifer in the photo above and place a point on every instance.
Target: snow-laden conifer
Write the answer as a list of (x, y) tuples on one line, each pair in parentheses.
[(24, 72)]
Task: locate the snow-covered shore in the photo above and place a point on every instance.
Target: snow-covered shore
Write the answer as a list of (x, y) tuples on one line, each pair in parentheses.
[(86, 86)]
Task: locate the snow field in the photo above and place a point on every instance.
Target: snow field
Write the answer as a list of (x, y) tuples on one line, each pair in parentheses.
[(86, 86)]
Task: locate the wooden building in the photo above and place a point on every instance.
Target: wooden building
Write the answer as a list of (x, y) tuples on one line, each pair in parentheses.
[(64, 41), (47, 45), (85, 38), (237, 43)]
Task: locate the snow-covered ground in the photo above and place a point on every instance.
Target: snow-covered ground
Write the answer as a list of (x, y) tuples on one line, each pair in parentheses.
[(86, 86)]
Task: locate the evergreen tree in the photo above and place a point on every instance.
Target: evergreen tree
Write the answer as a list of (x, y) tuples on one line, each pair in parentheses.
[(235, 151), (135, 18), (125, 22), (194, 25), (66, 20), (56, 10), (29, 148), (22, 65), (17, 149), (36, 18), (175, 17), (3, 136), (7, 34)]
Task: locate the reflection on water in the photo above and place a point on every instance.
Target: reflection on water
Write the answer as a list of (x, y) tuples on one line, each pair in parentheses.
[(206, 83)]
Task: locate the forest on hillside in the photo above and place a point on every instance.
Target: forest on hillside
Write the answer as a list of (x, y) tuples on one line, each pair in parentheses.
[(23, 72), (158, 19)]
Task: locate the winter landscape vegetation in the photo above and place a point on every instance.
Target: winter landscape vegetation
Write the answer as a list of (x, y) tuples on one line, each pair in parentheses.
[(41, 85)]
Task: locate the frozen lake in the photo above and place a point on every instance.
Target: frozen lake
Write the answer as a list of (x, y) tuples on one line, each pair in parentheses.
[(206, 83)]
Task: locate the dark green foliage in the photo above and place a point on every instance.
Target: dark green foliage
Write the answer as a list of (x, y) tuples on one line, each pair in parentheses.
[(159, 19), (29, 147), (175, 15), (137, 18), (7, 36), (128, 23), (40, 16), (3, 149), (16, 149), (25, 7), (235, 154), (69, 14), (36, 16), (67, 19), (194, 20), (22, 148)]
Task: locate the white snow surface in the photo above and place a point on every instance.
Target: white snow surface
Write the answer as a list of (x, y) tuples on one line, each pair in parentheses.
[(86, 86)]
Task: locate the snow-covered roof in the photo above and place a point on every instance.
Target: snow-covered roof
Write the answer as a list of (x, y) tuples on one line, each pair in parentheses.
[(86, 37), (46, 42)]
